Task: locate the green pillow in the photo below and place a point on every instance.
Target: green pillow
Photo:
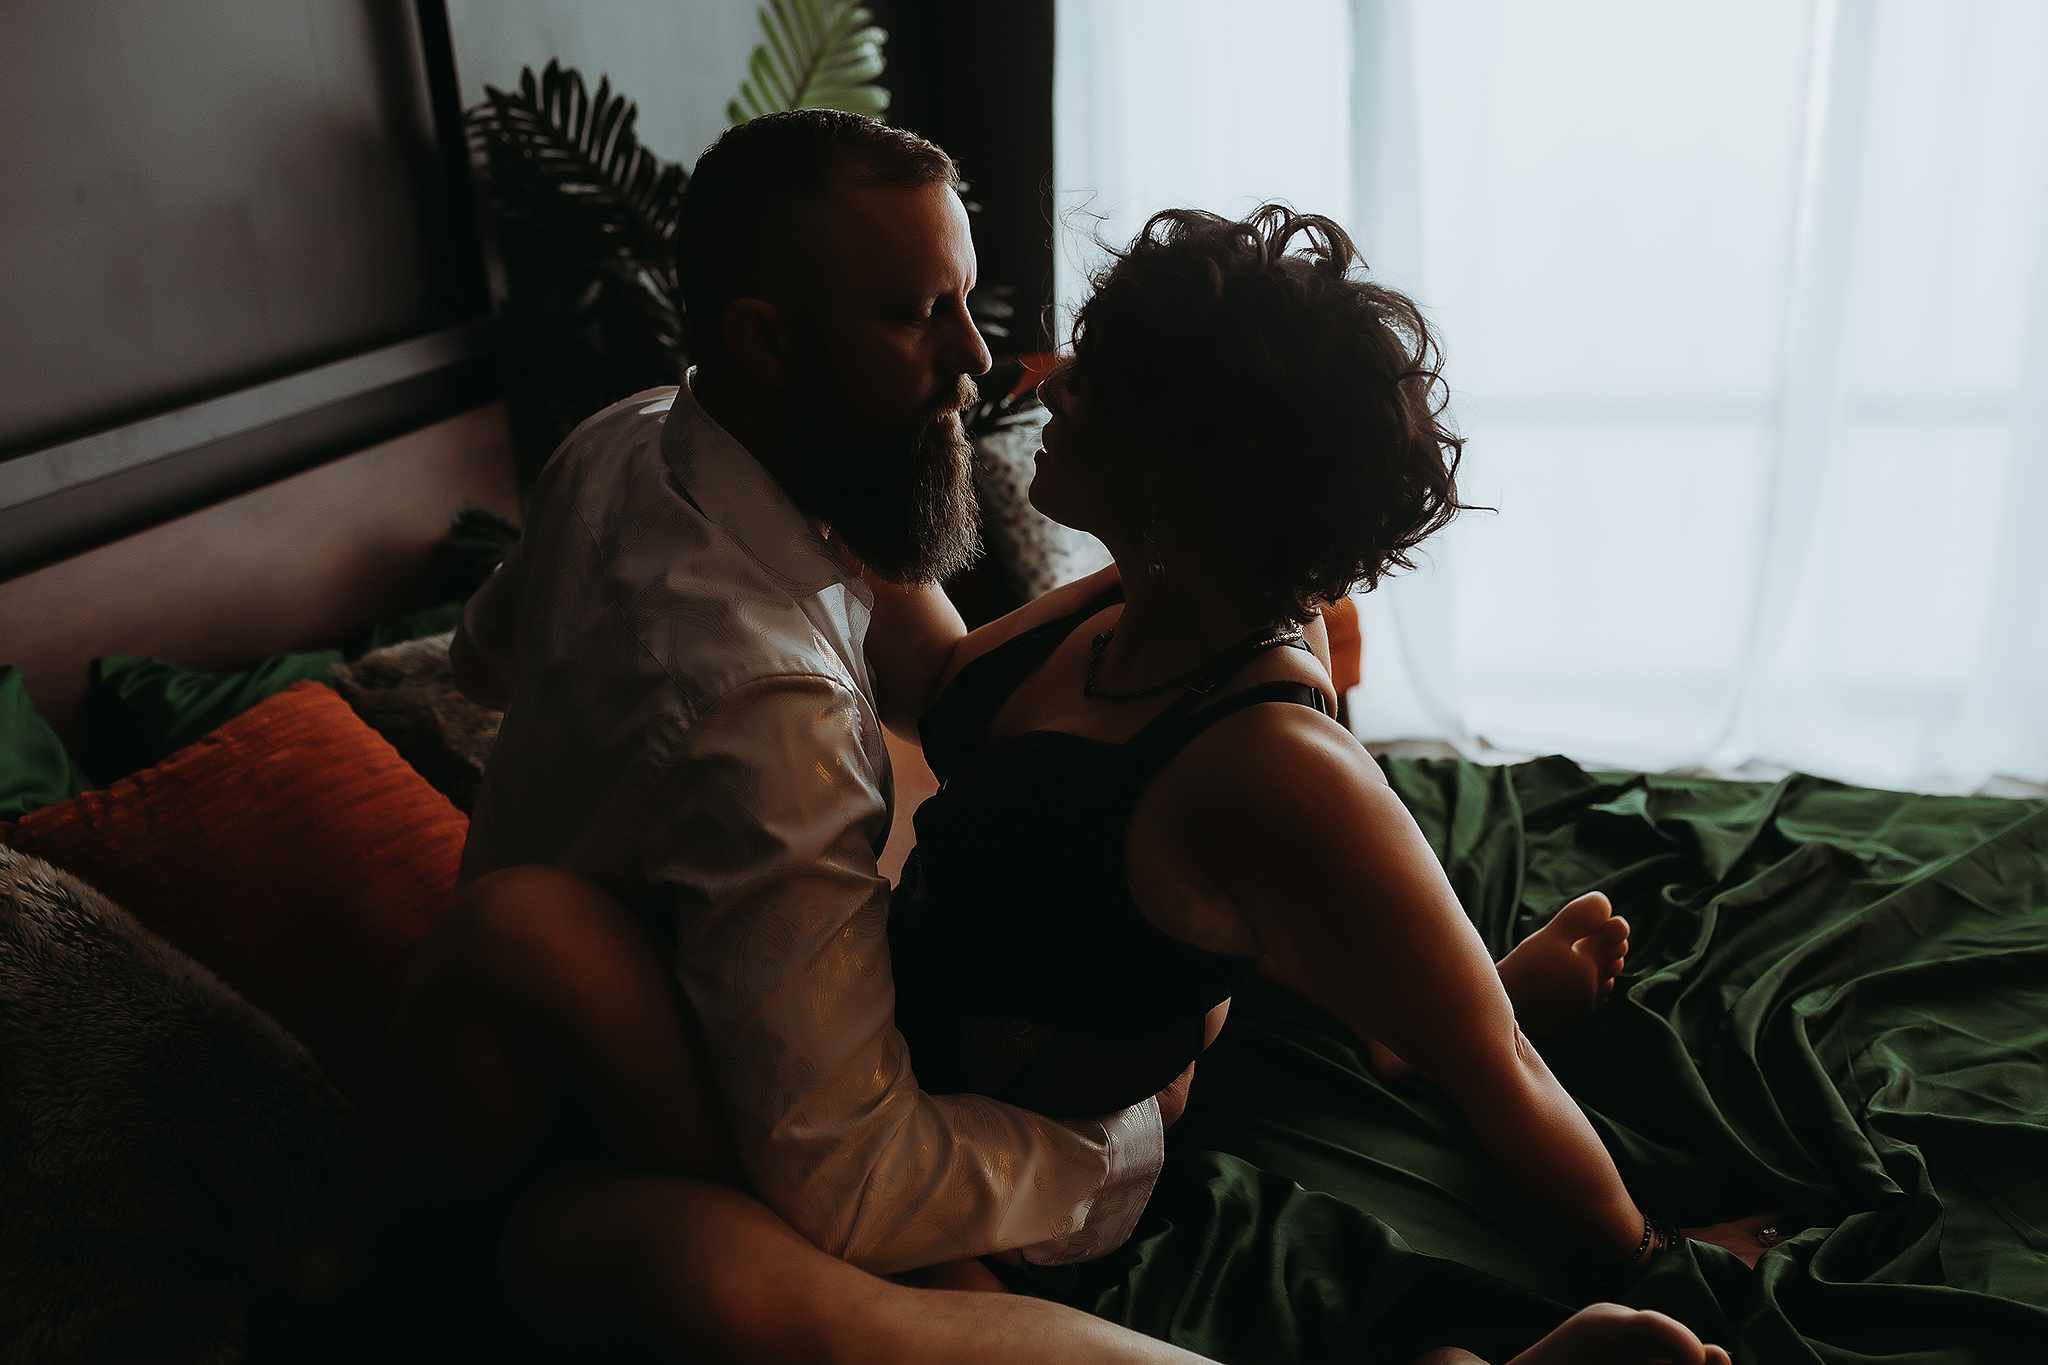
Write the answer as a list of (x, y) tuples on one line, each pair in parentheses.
[(144, 710), (35, 770)]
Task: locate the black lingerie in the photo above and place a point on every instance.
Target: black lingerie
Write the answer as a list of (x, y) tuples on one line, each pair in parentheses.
[(1023, 967)]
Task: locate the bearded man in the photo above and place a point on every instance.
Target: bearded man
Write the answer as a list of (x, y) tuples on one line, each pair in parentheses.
[(650, 1052)]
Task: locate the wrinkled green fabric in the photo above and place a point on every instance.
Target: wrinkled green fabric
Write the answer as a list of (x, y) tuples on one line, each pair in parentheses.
[(1836, 1003), (144, 710), (35, 769)]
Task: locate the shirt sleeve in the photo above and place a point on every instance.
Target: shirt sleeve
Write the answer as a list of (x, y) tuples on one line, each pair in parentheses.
[(764, 823)]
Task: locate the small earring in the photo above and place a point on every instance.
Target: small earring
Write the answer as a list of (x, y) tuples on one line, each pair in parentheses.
[(1155, 563)]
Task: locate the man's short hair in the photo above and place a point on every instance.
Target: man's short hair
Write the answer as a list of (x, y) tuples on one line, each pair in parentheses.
[(757, 195)]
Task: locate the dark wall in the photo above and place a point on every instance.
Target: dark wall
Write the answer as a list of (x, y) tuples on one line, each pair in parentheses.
[(202, 196), (977, 79)]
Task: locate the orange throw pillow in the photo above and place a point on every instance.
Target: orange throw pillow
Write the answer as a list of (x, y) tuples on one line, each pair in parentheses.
[(1340, 618), (291, 851)]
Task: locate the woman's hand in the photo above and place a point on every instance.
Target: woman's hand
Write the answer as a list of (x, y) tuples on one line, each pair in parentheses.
[(1745, 1237)]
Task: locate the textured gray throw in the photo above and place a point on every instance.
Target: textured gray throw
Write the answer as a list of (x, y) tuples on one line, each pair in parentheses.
[(164, 1146), (406, 693)]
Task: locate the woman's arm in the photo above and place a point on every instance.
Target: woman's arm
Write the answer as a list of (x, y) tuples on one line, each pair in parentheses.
[(911, 640), (917, 639), (1286, 817)]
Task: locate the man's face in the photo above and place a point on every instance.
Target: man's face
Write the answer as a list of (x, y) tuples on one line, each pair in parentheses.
[(889, 348)]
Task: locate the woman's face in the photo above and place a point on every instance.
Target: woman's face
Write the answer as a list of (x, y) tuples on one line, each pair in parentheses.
[(1086, 479)]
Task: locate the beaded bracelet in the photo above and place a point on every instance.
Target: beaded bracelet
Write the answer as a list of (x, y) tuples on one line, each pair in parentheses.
[(1663, 1235)]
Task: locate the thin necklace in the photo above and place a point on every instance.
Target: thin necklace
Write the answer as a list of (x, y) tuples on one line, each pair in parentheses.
[(1197, 677)]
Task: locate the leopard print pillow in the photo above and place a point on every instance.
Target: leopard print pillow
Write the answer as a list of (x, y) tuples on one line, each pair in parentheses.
[(1035, 553)]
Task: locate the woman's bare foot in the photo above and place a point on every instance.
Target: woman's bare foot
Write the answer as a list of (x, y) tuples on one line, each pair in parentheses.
[(1559, 973), (1553, 978), (1605, 1334), (1609, 1334)]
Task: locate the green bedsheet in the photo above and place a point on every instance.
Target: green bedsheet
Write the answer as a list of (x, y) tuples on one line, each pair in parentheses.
[(1836, 1003)]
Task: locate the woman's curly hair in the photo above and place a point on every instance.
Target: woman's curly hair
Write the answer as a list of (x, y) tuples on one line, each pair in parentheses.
[(1301, 400)]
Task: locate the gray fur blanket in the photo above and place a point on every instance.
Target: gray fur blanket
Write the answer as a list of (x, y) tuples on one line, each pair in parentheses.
[(164, 1146), (406, 693)]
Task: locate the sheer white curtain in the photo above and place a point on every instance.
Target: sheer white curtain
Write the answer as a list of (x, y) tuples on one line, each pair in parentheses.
[(1746, 306)]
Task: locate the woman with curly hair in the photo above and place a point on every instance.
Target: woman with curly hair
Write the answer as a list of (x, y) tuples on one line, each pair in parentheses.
[(1144, 793)]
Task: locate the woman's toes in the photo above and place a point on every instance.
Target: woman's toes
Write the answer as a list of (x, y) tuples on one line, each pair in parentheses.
[(1608, 945), (1604, 945), (1610, 938), (1584, 915)]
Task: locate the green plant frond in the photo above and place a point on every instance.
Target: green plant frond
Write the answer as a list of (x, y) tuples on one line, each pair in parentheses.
[(815, 54), (569, 167), (774, 85), (785, 70)]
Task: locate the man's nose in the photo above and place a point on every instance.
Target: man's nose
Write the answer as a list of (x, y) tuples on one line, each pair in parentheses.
[(969, 353), (982, 359)]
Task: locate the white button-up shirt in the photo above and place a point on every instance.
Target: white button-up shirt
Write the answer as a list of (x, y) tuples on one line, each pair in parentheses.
[(692, 726)]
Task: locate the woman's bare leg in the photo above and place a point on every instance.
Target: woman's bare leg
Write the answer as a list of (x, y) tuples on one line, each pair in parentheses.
[(699, 1271)]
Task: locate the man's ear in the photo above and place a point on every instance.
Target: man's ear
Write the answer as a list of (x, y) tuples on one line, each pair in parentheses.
[(761, 342)]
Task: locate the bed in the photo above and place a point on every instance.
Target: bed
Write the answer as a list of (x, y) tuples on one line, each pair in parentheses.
[(1836, 1003)]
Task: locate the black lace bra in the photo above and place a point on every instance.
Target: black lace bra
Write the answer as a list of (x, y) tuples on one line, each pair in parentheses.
[(1023, 967)]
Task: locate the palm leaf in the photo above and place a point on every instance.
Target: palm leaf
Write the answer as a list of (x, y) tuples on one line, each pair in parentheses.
[(568, 166), (586, 221), (817, 54)]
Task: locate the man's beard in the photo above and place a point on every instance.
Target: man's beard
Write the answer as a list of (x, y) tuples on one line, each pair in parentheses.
[(903, 502)]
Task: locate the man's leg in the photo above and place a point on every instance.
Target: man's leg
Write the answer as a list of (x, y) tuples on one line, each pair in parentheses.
[(539, 999), (701, 1271), (538, 1004)]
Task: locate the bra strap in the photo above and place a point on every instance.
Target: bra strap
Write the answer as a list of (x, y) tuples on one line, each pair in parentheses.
[(1226, 668), (1169, 734), (953, 728)]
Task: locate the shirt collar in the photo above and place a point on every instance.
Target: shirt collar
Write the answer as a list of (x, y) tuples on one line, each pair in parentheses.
[(731, 488)]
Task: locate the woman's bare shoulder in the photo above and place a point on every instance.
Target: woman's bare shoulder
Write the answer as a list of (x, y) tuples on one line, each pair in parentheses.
[(1061, 601), (1267, 792), (1277, 767)]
